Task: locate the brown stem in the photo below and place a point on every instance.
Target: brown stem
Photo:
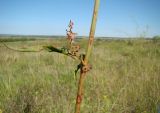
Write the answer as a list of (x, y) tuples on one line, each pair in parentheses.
[(85, 62), (80, 92)]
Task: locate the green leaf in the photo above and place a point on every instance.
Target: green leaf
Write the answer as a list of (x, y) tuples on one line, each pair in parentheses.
[(53, 49)]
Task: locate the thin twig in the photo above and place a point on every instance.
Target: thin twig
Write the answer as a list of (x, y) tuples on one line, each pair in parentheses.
[(20, 50)]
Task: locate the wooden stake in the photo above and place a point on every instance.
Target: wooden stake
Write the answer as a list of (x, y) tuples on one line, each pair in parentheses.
[(85, 61)]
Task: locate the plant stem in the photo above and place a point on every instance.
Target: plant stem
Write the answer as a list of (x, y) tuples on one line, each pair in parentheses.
[(88, 53), (92, 30)]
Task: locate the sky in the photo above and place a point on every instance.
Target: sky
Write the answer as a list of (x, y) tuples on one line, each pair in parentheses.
[(116, 18)]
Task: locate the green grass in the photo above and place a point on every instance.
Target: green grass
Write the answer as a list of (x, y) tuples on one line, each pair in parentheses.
[(125, 78)]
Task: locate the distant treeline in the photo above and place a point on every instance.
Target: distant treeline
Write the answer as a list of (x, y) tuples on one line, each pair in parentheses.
[(13, 38)]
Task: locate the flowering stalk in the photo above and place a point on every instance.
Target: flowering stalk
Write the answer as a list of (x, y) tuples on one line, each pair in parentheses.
[(85, 66), (70, 34)]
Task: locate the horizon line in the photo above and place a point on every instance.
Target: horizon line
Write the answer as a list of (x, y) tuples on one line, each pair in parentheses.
[(76, 36)]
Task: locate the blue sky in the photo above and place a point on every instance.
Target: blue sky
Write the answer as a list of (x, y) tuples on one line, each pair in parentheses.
[(118, 18)]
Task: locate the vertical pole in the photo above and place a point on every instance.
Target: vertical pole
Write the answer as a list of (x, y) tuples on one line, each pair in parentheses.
[(88, 53)]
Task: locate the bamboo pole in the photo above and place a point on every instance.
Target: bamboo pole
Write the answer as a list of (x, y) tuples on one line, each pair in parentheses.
[(85, 61)]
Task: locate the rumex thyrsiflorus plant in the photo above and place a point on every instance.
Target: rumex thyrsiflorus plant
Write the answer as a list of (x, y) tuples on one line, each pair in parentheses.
[(73, 50)]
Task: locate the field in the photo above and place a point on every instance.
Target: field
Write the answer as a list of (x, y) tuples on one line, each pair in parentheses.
[(125, 77)]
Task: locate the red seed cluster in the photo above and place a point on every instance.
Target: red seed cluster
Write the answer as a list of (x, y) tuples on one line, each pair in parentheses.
[(70, 35)]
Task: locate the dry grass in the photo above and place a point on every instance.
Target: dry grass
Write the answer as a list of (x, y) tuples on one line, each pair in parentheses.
[(124, 79)]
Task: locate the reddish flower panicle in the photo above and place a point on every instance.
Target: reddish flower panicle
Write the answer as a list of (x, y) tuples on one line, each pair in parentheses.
[(70, 34)]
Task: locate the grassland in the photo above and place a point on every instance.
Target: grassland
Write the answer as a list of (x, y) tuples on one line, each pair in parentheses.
[(125, 78)]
